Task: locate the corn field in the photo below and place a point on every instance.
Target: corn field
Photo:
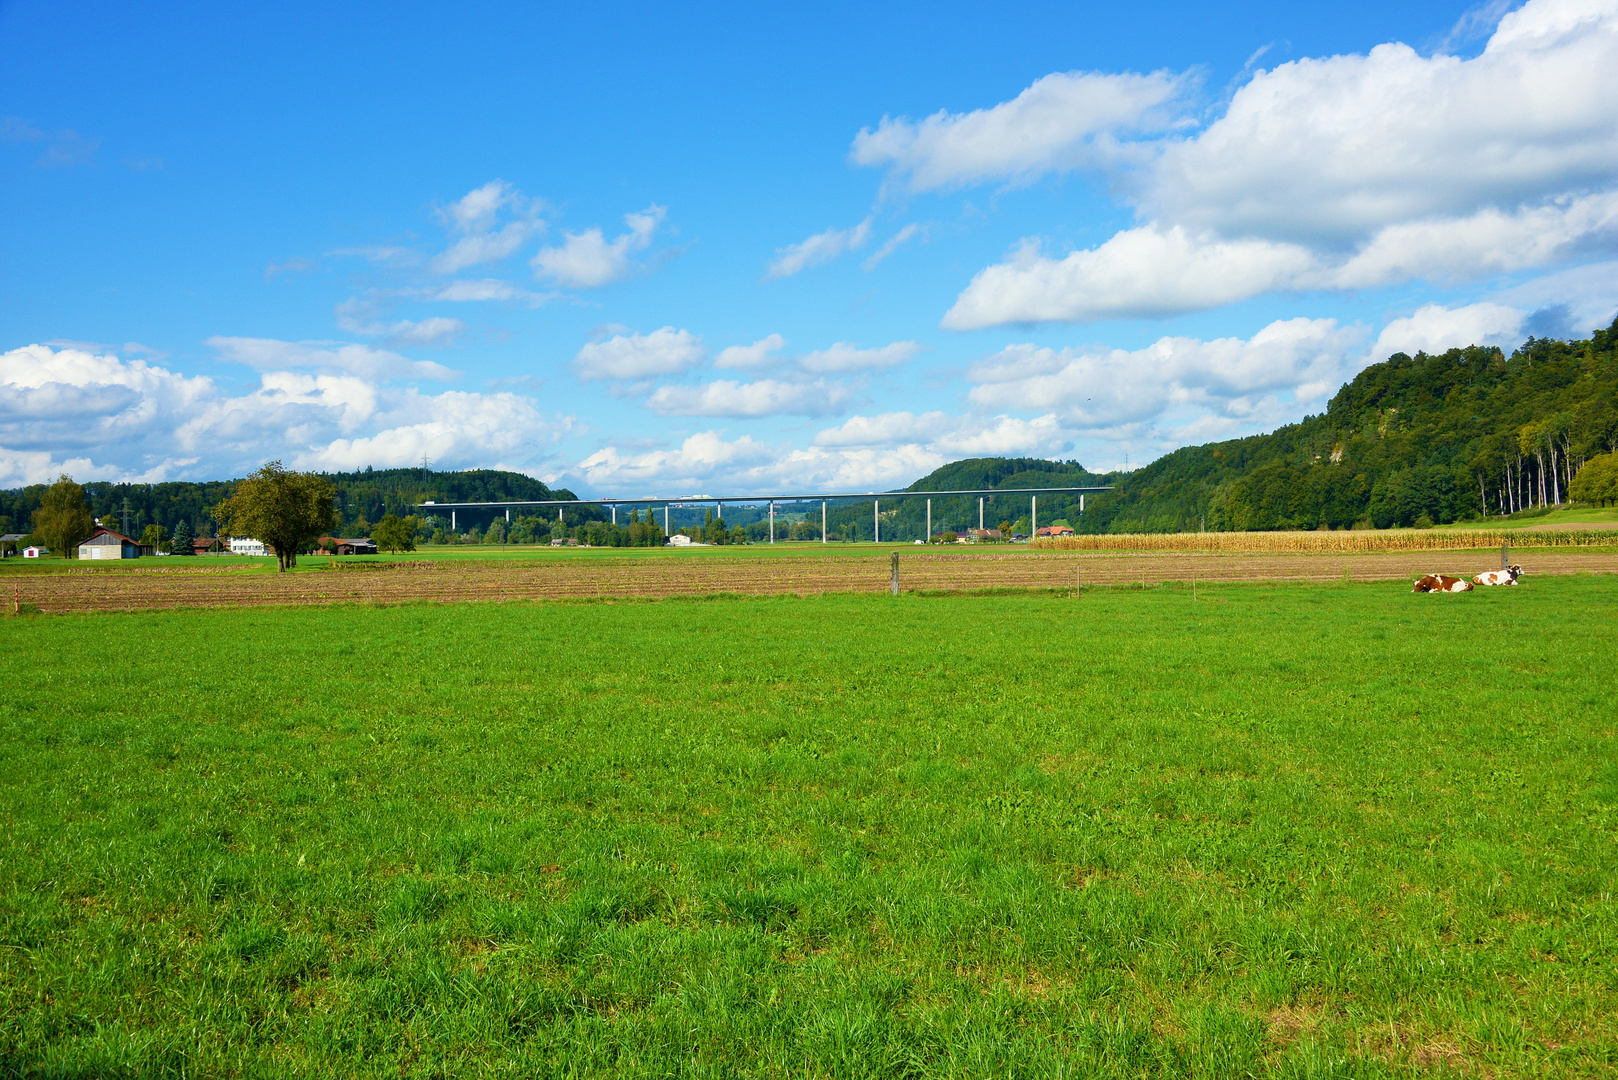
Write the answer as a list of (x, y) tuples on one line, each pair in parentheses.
[(1343, 541)]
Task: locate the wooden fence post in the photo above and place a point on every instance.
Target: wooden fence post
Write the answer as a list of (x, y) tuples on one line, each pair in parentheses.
[(895, 583)]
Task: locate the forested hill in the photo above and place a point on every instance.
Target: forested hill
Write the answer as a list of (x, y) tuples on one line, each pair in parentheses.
[(977, 473), (363, 497), (1410, 440)]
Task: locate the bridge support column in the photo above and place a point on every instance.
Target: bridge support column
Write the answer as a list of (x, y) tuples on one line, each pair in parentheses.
[(822, 521)]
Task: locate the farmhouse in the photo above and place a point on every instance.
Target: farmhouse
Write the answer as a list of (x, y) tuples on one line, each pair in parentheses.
[(1054, 530), (105, 543), (350, 546), (977, 535), (246, 545), (9, 544)]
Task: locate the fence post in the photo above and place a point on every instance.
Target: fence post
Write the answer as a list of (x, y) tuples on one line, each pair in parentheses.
[(895, 573), (1078, 580), (1504, 556)]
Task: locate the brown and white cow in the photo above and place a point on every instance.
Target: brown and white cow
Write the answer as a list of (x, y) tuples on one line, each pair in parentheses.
[(1508, 576), (1436, 583)]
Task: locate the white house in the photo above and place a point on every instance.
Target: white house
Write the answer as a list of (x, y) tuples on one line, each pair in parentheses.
[(32, 552), (246, 545), (106, 544), (682, 540)]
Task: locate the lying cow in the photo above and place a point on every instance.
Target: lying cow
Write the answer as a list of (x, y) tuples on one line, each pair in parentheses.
[(1442, 583), (1508, 576)]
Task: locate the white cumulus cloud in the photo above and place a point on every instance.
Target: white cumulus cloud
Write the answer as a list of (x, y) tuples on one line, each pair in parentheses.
[(1334, 173), (819, 248), (756, 355), (1064, 121), (1144, 271), (99, 416), (638, 356), (764, 397), (267, 354), (476, 290), (588, 260), (844, 357), (489, 223), (707, 459), (1304, 360), (1434, 328)]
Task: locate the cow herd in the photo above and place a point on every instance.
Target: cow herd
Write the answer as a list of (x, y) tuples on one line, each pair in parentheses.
[(1442, 583)]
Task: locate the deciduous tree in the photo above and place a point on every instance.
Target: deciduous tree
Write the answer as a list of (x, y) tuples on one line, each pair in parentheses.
[(287, 510), (63, 517), (394, 533)]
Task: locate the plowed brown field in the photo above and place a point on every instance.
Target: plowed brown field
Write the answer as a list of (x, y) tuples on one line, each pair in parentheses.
[(631, 577)]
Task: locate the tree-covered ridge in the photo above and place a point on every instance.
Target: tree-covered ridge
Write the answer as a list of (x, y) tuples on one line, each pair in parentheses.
[(1409, 440), (363, 497)]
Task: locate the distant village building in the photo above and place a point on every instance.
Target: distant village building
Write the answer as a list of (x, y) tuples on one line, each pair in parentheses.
[(681, 540), (246, 545), (985, 534), (202, 545), (1054, 530), (33, 552), (105, 543), (338, 545), (564, 541), (9, 544)]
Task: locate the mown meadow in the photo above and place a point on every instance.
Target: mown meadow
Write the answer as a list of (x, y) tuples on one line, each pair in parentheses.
[(1328, 830)]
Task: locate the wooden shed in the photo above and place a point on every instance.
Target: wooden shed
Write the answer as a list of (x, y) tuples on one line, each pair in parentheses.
[(107, 544)]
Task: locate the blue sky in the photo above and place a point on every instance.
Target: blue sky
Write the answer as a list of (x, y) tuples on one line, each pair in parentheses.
[(648, 250)]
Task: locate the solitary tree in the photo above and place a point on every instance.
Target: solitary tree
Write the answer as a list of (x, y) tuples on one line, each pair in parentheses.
[(394, 533), (63, 519), (287, 510)]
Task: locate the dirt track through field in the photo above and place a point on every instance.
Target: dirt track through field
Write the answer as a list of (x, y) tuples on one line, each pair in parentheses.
[(630, 577)]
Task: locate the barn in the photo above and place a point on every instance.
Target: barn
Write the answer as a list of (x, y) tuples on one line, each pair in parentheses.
[(106, 544)]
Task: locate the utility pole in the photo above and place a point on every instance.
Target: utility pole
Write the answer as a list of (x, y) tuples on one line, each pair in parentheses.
[(1033, 503), (123, 518), (772, 521), (980, 512), (876, 519), (929, 522), (822, 521)]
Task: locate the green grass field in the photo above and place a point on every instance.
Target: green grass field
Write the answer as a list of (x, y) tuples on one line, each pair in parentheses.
[(1333, 830), (1584, 515)]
